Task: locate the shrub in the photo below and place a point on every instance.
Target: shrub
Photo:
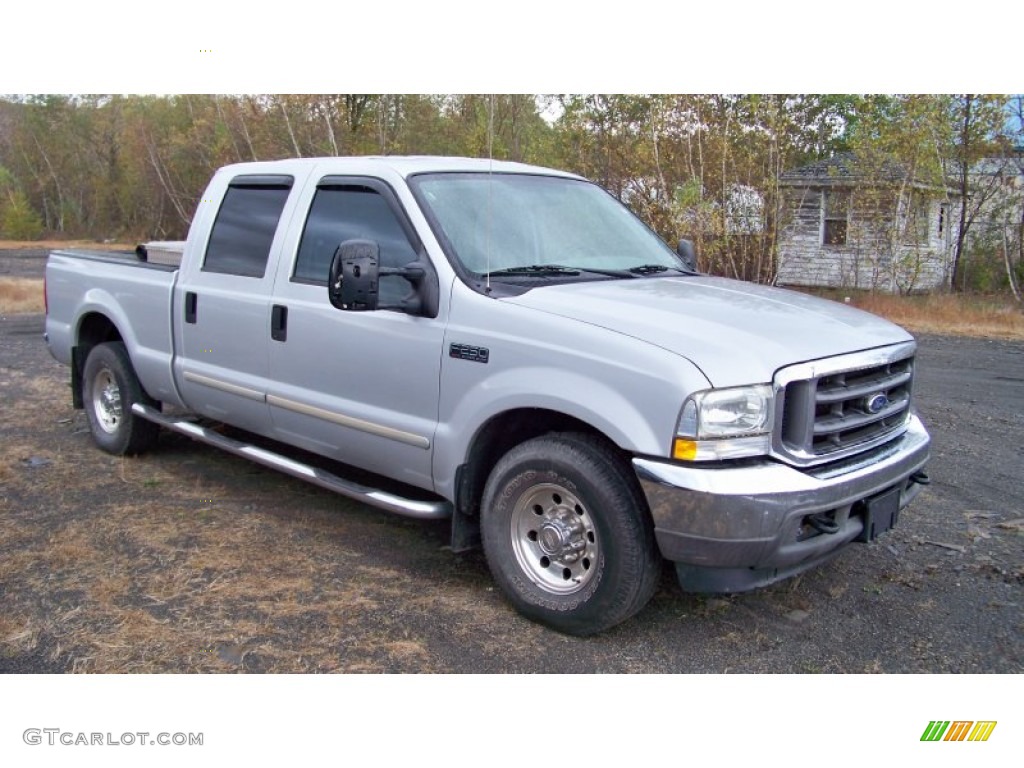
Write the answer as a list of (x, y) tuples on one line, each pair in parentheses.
[(18, 220)]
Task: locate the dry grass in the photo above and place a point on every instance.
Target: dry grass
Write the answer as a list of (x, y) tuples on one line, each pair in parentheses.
[(20, 295), (92, 245), (158, 586), (948, 315), (114, 564)]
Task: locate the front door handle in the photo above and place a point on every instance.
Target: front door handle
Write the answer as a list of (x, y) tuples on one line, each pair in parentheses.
[(279, 323), (191, 305)]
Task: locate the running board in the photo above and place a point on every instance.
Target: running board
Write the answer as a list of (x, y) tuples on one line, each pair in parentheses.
[(424, 510)]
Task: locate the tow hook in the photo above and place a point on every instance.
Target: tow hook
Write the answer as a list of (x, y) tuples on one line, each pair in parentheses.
[(823, 523), (921, 478)]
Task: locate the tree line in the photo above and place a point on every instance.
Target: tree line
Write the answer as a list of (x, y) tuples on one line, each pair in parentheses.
[(133, 167)]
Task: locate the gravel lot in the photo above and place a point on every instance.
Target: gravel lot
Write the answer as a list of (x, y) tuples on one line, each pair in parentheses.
[(23, 262), (191, 560)]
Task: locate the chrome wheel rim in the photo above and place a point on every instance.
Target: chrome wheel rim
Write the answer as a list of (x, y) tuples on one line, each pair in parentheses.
[(554, 540), (106, 401)]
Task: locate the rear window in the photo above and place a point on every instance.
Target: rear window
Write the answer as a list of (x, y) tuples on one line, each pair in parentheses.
[(244, 229)]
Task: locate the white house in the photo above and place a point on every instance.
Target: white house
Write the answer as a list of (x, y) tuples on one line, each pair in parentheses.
[(847, 223)]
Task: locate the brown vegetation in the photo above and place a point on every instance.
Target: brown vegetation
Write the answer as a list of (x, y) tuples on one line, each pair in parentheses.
[(20, 295), (706, 167), (947, 315)]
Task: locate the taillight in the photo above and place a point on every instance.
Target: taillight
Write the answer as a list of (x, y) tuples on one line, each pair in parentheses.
[(46, 297)]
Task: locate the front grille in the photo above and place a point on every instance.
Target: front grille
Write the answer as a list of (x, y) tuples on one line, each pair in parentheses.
[(835, 408)]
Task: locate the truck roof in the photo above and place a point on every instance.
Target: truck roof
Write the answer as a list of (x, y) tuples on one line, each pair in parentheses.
[(404, 165)]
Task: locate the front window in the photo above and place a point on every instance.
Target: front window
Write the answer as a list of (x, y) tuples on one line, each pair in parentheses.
[(501, 221), (343, 212)]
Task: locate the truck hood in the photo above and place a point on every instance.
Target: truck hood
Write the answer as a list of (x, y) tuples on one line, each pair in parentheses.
[(735, 333)]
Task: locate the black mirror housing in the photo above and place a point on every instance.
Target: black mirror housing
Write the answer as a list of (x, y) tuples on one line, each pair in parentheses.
[(354, 277), (353, 282), (687, 254)]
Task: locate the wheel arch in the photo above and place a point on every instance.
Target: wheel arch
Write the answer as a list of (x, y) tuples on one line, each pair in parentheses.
[(94, 328), (493, 439)]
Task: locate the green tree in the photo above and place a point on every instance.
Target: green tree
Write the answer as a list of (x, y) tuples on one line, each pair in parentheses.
[(18, 221)]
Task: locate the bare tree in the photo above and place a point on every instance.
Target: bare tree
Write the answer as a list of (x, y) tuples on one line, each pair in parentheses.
[(980, 118), (291, 133)]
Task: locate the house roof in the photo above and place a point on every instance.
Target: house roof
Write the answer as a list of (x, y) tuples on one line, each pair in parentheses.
[(845, 167), (998, 166), (848, 169)]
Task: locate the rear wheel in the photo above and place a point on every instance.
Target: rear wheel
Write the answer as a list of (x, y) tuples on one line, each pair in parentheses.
[(567, 534), (109, 389)]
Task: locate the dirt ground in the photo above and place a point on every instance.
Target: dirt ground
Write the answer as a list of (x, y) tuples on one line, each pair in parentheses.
[(190, 560)]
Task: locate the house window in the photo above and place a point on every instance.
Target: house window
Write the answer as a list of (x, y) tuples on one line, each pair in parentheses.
[(922, 214), (837, 210), (942, 220)]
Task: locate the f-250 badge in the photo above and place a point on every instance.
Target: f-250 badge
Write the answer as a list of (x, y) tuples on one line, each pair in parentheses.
[(467, 352)]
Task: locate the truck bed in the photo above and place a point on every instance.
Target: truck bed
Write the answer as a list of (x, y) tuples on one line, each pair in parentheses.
[(80, 282), (124, 258)]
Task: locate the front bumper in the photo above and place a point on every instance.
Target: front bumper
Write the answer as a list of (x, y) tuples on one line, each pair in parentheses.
[(730, 529)]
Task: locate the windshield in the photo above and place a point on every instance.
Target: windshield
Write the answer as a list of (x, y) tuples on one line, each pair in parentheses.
[(500, 222)]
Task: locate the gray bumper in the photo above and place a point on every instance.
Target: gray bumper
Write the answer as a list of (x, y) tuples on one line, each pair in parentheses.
[(735, 528)]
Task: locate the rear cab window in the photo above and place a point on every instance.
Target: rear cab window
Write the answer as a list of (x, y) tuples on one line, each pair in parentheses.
[(246, 222)]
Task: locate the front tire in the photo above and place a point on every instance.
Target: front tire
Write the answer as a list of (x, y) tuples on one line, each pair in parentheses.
[(109, 389), (567, 534)]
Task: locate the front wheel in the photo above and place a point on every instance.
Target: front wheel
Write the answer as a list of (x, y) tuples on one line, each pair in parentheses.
[(567, 534), (109, 389)]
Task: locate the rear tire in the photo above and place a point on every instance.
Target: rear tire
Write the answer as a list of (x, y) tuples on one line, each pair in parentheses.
[(109, 390), (567, 534)]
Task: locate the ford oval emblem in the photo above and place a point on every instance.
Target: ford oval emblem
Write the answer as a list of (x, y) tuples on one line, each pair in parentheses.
[(877, 403)]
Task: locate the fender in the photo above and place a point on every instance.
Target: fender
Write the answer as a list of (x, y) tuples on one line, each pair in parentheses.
[(149, 344), (607, 410)]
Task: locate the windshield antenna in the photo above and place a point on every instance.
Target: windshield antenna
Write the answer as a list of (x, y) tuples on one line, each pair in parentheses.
[(490, 170)]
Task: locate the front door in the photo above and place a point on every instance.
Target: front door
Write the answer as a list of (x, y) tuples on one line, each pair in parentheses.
[(360, 387)]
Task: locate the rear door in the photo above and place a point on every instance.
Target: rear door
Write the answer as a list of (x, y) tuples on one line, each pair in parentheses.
[(221, 367), (360, 387)]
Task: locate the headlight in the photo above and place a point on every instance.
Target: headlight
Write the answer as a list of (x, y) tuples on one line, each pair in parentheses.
[(725, 424)]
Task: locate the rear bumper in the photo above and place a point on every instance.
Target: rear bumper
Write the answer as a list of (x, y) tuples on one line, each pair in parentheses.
[(730, 529)]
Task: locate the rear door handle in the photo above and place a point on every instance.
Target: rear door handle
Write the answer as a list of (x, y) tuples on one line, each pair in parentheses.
[(279, 323), (191, 305)]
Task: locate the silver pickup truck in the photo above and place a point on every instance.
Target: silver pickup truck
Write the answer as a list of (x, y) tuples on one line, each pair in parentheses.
[(509, 347)]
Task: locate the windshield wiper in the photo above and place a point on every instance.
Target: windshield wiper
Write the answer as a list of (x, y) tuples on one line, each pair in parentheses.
[(548, 270), (535, 270), (651, 269)]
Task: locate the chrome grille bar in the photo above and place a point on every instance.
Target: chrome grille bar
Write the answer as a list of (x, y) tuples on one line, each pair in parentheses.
[(838, 407)]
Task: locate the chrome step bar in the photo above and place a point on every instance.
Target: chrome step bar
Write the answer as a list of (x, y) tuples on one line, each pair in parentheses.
[(424, 510)]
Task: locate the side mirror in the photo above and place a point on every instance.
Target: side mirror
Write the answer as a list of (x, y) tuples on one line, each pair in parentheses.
[(352, 281), (354, 278), (687, 254)]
